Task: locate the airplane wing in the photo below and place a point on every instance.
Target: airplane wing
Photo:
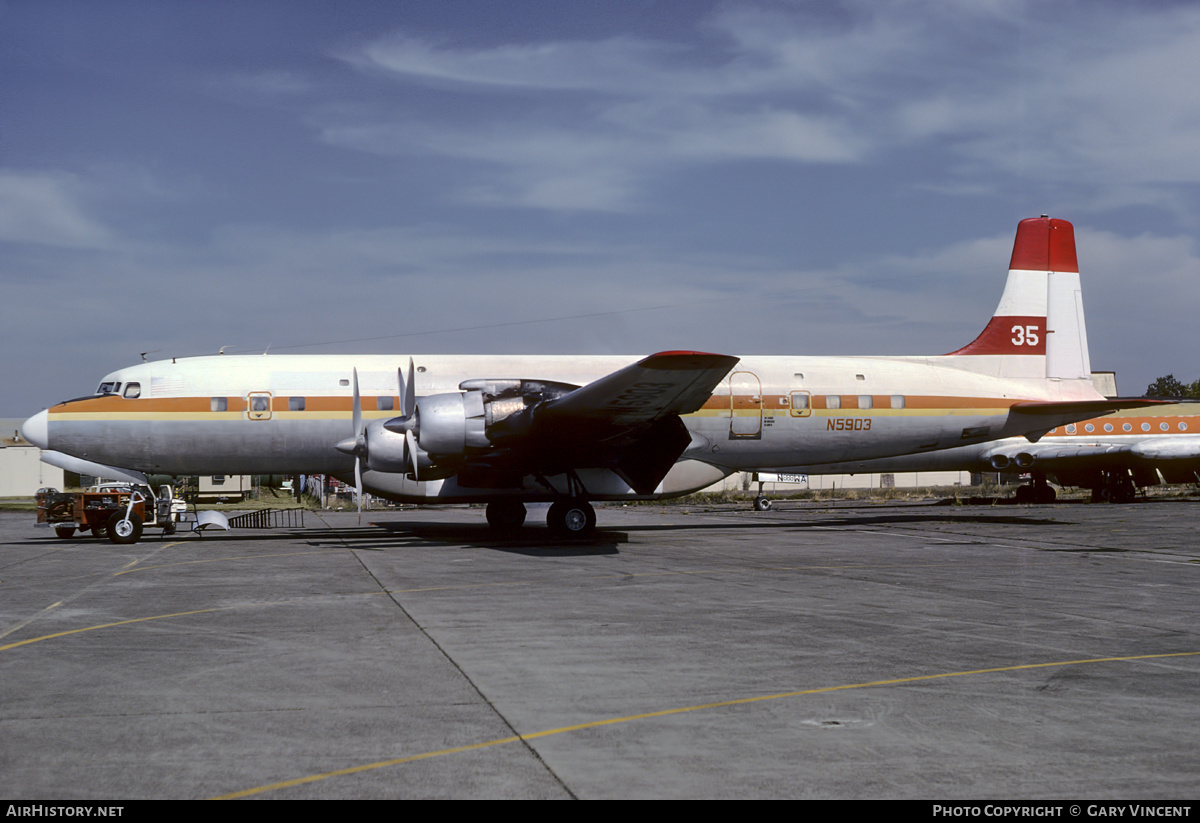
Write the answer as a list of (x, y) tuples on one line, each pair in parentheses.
[(627, 420), (1167, 448), (1052, 456), (674, 382)]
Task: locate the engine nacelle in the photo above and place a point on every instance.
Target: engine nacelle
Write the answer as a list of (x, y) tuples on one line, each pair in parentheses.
[(448, 427), (449, 424), (386, 451)]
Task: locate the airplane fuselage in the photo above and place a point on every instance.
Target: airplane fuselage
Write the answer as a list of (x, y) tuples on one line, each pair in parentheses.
[(283, 414), (569, 429)]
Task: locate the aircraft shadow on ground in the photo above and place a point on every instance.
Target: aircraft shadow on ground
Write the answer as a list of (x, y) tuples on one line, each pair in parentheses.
[(539, 541), (530, 540)]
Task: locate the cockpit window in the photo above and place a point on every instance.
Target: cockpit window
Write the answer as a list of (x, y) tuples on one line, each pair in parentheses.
[(109, 388), (132, 391)]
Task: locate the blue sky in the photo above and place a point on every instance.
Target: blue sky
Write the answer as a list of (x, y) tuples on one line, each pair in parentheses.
[(583, 177)]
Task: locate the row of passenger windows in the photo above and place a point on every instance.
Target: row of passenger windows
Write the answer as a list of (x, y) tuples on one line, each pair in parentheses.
[(262, 403), (801, 400), (1125, 427)]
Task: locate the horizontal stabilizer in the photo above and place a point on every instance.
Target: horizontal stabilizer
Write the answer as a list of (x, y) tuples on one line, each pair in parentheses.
[(1052, 408)]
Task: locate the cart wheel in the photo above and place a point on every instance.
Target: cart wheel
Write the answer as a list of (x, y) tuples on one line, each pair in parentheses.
[(124, 531), (64, 531)]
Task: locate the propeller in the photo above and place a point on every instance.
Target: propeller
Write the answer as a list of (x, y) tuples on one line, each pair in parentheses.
[(356, 445), (407, 423)]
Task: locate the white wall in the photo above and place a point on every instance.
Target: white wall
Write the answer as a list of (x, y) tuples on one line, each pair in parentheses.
[(22, 472)]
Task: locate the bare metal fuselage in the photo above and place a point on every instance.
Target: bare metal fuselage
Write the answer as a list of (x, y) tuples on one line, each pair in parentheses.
[(283, 414)]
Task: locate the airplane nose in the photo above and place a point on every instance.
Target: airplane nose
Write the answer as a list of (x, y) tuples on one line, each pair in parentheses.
[(37, 429)]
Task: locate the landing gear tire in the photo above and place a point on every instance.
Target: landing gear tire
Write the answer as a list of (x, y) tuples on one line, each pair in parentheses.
[(122, 531), (64, 531), (762, 504), (571, 518), (99, 531), (1044, 494), (506, 514)]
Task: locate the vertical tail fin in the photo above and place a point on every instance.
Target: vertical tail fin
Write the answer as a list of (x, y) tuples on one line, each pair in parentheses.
[(1038, 329)]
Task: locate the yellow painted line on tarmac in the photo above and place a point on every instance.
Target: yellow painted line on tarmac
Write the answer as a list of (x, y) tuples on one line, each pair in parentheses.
[(166, 616), (133, 563), (300, 781), (117, 623), (25, 623)]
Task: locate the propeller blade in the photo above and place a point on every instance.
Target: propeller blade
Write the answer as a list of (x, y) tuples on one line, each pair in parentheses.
[(410, 449), (358, 489), (408, 400), (360, 445), (356, 414)]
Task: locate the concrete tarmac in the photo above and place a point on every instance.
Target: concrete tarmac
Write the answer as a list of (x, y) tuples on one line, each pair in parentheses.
[(814, 651)]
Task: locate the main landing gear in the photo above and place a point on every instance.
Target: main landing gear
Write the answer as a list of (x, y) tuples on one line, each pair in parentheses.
[(506, 514), (1116, 487), (1039, 491), (573, 517)]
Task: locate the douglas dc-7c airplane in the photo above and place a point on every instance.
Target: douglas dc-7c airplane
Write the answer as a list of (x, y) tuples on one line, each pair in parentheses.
[(506, 430)]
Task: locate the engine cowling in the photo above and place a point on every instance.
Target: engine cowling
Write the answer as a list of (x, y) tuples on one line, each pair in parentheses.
[(450, 424), (446, 428)]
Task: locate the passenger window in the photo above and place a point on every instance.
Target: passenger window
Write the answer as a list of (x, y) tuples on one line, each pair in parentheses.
[(833, 401), (865, 401), (800, 404), (384, 403), (897, 401), (132, 391), (295, 404), (258, 406), (218, 404)]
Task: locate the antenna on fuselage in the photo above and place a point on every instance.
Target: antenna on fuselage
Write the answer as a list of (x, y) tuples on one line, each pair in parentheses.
[(152, 351)]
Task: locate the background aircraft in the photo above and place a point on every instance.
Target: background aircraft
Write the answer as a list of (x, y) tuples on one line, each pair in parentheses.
[(1113, 456)]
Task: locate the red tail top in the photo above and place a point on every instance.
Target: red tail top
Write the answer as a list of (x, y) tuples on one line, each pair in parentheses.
[(1044, 244)]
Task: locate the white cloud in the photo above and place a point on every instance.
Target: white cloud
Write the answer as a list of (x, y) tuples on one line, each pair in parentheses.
[(1086, 96), (46, 208)]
